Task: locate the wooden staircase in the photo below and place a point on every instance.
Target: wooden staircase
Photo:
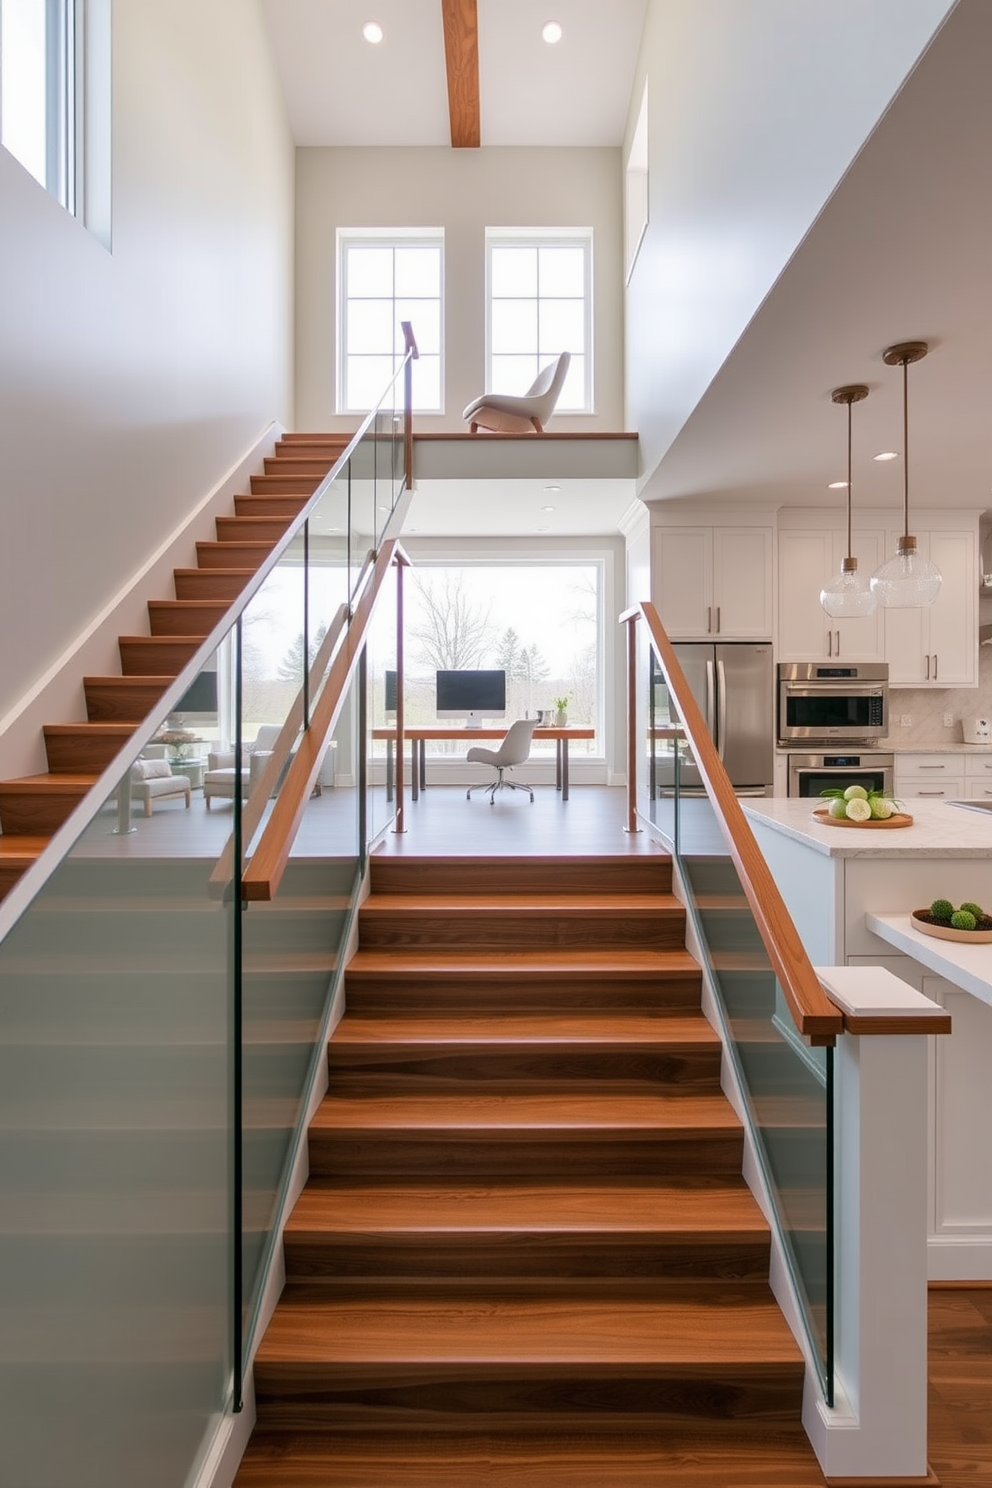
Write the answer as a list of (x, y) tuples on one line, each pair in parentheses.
[(33, 807), (526, 1254)]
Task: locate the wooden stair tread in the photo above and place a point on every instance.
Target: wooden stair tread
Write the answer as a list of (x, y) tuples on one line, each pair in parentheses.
[(75, 781), (577, 965), (535, 905), (689, 1327), (522, 1028), (99, 729), (720, 1454), (18, 851), (646, 1206), (526, 1113)]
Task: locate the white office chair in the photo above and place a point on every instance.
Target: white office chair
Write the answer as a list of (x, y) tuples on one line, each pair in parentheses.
[(503, 413), (513, 751)]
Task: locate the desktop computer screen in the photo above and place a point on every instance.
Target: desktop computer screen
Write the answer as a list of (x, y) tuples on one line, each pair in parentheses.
[(472, 695)]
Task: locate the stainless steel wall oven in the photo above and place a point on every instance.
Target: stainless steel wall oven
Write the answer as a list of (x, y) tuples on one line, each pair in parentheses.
[(809, 774), (832, 704)]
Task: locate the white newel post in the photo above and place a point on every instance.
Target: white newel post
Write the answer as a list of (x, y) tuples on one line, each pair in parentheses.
[(877, 1427)]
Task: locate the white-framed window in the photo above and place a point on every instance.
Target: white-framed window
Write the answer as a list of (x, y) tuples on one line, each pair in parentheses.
[(55, 100), (38, 50), (539, 304), (386, 276)]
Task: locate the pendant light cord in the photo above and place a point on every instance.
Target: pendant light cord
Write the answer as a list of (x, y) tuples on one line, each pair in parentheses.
[(849, 407), (905, 446)]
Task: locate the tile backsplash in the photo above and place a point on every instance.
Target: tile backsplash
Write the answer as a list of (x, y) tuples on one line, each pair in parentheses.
[(927, 706)]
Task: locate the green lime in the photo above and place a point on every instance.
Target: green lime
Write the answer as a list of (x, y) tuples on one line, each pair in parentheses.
[(838, 807), (855, 793), (858, 809)]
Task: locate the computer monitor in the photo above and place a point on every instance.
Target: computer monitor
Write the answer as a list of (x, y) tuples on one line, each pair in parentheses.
[(390, 692), (472, 695)]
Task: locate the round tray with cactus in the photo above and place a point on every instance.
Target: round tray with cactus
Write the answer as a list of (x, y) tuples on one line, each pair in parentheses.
[(857, 807), (966, 922)]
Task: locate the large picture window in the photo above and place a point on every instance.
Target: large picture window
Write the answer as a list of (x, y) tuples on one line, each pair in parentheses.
[(540, 622), (539, 305), (384, 279)]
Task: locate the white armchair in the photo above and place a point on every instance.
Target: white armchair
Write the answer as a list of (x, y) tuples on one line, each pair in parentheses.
[(502, 413), (219, 778), (153, 780)]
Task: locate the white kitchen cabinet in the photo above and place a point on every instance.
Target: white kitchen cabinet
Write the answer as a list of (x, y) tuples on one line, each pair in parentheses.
[(938, 646), (713, 583), (808, 558), (938, 776)]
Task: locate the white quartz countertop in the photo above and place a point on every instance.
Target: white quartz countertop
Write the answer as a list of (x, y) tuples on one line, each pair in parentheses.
[(938, 830), (967, 966)]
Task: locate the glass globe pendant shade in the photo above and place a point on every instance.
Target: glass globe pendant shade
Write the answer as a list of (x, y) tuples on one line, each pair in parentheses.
[(907, 581), (848, 595)]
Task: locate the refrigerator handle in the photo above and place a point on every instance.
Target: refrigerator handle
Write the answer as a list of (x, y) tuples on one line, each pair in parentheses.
[(721, 706), (710, 708)]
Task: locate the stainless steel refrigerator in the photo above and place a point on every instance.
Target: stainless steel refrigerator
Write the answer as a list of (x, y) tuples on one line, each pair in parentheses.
[(734, 684)]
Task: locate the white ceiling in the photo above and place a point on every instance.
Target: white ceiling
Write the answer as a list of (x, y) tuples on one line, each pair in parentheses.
[(901, 251), (342, 91)]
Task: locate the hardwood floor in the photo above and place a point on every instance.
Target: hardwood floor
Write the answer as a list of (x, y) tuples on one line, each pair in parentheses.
[(960, 1374)]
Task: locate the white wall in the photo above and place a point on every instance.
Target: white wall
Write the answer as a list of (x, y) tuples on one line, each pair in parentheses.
[(754, 113), (131, 380), (463, 191)]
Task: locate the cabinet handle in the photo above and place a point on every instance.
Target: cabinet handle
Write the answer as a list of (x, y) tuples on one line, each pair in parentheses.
[(928, 668), (930, 793), (933, 767), (935, 666), (718, 619), (830, 643), (838, 643), (709, 622)]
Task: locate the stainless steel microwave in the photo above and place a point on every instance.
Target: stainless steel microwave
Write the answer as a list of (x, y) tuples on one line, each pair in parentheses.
[(830, 703)]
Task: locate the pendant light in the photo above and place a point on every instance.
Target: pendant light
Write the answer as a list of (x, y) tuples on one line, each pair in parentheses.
[(908, 581), (848, 594)]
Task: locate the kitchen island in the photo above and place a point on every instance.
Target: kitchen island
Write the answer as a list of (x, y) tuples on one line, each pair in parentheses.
[(833, 878)]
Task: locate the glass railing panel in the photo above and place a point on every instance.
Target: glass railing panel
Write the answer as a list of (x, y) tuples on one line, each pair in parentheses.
[(363, 519), (381, 703), (116, 1138), (291, 960), (785, 1083)]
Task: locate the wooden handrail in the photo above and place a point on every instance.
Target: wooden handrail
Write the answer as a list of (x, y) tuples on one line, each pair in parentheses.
[(251, 813), (813, 1013), (264, 872)]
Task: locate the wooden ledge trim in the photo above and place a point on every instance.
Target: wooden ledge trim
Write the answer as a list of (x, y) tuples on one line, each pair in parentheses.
[(547, 437)]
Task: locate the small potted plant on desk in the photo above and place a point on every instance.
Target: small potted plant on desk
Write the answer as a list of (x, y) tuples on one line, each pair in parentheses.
[(561, 715)]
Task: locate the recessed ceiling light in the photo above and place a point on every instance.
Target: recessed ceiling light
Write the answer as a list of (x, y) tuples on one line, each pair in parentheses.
[(372, 32), (551, 32), (549, 489), (887, 455), (837, 486), (542, 529), (548, 508)]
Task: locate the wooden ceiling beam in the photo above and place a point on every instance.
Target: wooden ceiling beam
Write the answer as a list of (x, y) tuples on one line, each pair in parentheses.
[(461, 55)]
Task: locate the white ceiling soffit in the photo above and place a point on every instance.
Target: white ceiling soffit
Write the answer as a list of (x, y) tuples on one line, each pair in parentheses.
[(339, 90), (900, 252), (493, 508)]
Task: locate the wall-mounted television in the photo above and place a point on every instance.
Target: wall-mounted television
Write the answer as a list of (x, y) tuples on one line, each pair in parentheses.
[(470, 694), (199, 700)]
